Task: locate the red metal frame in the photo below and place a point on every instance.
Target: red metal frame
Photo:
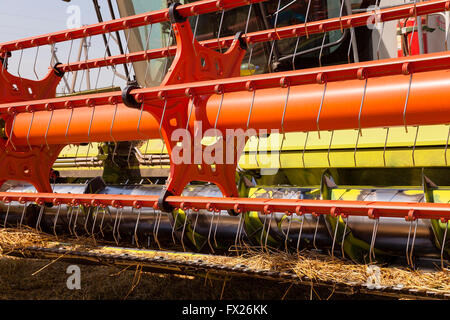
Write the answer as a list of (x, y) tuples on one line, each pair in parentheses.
[(193, 78), (313, 27), (361, 71), (372, 209), (32, 164), (194, 63), (187, 10)]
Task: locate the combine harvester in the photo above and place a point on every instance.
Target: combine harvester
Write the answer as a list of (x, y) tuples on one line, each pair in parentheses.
[(283, 125)]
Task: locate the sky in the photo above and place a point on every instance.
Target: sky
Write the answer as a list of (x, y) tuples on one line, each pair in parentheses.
[(25, 18)]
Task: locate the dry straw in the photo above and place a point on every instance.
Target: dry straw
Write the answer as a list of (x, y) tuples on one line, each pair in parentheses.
[(316, 266)]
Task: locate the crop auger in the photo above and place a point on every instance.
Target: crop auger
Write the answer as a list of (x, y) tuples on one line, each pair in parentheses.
[(285, 124)]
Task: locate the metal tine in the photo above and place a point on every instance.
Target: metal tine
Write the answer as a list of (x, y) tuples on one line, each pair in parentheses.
[(414, 146), (129, 153), (9, 141), (76, 155), (240, 238), (268, 231), (118, 224), (315, 233), (127, 50), (238, 232), (70, 213), (34, 64), (104, 59), (443, 245), (300, 234), (195, 33), (220, 29), (215, 229), (321, 48), (147, 45), (29, 130), (286, 236), (85, 71), (340, 15), (287, 6), (157, 224), (295, 53), (193, 229), (356, 147), (89, 132), (412, 244), (87, 219), (23, 214), (306, 19), (362, 103), (19, 64), (48, 127), (75, 222), (334, 237), (385, 145), (103, 219), (414, 27), (343, 237), (97, 208), (160, 130), (115, 225), (136, 226), (250, 54), (406, 101), (446, 146), (38, 221), (350, 47), (329, 148), (56, 220), (68, 124), (69, 54), (174, 225), (248, 119), (304, 149), (262, 230), (112, 137), (184, 228), (286, 83), (52, 54), (210, 229), (248, 19), (4, 63), (190, 112), (359, 134), (273, 41), (218, 111), (6, 215), (379, 41), (166, 61), (374, 236), (320, 108), (407, 242)]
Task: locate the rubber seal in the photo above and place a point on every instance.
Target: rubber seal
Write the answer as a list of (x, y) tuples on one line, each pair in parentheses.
[(128, 99), (58, 72), (174, 15), (162, 203)]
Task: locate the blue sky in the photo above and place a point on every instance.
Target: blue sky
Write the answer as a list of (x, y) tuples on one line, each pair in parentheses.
[(25, 18)]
